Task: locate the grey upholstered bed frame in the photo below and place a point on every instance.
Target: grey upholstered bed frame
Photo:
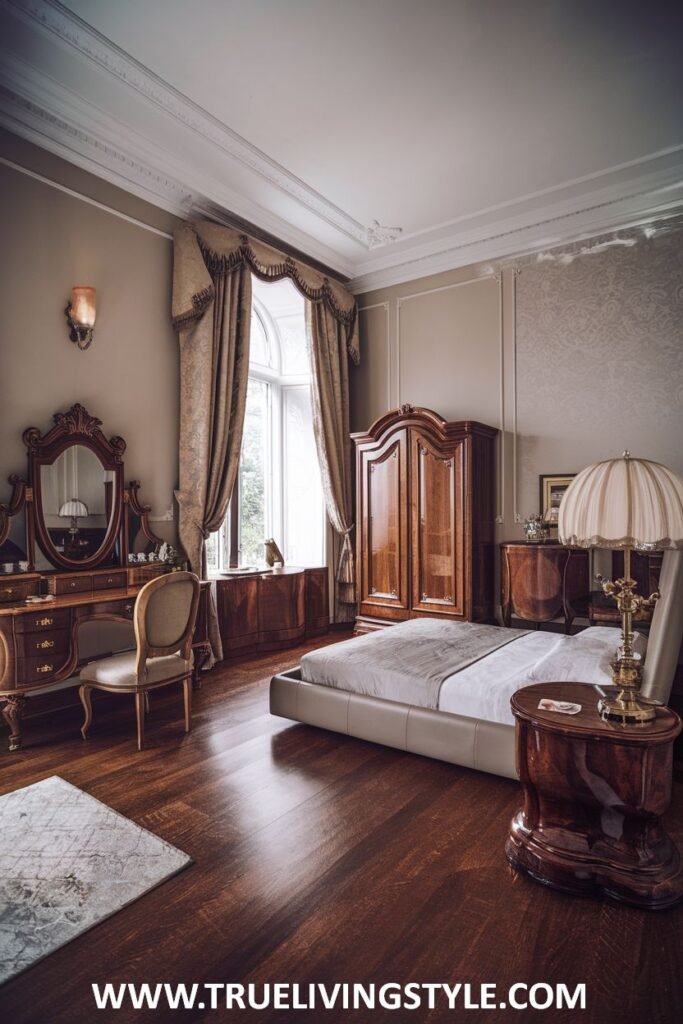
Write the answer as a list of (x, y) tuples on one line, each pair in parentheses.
[(473, 742)]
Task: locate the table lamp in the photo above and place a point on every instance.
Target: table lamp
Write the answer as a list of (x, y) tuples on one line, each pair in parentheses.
[(72, 509), (627, 504)]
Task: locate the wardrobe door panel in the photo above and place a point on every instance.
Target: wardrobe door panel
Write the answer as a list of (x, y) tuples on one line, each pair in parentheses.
[(384, 524), (438, 510)]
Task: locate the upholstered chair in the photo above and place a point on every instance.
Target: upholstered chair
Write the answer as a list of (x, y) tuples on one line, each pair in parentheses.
[(164, 619)]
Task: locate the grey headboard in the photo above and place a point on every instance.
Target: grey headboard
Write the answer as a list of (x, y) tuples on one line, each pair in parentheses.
[(666, 631)]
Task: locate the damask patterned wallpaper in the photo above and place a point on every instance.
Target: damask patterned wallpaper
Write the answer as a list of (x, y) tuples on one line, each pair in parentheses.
[(600, 359)]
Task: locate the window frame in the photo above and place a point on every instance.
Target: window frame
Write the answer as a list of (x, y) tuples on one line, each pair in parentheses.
[(229, 541)]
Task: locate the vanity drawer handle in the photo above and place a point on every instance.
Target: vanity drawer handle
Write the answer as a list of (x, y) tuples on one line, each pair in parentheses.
[(73, 584), (128, 608), (45, 668), (44, 622), (45, 645), (9, 591), (110, 579)]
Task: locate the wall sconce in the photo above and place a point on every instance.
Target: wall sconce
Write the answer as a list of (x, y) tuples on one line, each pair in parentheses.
[(80, 314)]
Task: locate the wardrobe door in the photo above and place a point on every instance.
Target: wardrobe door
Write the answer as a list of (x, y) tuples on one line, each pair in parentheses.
[(437, 527), (383, 505)]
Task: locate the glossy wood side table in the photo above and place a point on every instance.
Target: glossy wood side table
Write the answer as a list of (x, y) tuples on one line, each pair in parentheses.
[(594, 794)]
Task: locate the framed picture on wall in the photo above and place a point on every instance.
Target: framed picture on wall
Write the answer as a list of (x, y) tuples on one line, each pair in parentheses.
[(552, 490)]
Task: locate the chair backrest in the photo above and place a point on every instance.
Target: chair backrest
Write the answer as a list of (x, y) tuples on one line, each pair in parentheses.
[(666, 631), (164, 617)]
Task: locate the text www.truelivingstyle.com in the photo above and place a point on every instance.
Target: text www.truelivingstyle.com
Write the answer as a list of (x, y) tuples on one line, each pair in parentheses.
[(340, 996)]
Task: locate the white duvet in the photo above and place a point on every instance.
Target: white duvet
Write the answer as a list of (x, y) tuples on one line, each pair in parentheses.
[(483, 689)]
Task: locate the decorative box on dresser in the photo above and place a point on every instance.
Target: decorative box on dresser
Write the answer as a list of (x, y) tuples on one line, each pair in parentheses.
[(542, 581), (425, 519)]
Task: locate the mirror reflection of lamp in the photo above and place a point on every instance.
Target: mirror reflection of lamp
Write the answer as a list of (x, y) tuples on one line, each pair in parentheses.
[(81, 312), (72, 510)]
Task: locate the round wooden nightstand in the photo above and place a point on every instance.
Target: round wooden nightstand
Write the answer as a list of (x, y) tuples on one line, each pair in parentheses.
[(594, 793)]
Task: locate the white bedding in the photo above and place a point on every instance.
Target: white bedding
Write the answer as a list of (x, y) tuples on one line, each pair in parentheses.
[(482, 689)]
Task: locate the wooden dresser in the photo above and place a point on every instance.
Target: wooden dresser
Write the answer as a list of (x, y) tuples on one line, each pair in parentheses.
[(542, 581), (73, 467), (425, 519), (272, 611), (39, 643)]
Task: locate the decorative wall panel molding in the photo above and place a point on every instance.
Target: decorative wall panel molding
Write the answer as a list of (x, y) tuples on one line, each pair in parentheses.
[(390, 403)]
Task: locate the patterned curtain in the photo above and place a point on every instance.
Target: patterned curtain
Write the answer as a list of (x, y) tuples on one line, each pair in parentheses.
[(328, 339), (212, 313)]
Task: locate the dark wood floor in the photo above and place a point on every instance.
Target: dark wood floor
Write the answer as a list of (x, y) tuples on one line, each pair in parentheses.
[(320, 858)]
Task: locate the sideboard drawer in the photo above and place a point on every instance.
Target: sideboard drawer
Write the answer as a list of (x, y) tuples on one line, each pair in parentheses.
[(39, 620), (46, 644), (16, 591), (111, 580), (72, 584)]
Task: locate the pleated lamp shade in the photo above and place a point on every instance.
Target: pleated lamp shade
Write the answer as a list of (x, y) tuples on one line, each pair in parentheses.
[(623, 503), (73, 508)]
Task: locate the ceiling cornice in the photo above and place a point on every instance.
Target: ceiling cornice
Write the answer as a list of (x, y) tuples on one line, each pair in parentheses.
[(173, 153), (651, 195), (52, 17)]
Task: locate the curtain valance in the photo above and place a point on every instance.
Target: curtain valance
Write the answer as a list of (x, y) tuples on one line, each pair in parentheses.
[(204, 249)]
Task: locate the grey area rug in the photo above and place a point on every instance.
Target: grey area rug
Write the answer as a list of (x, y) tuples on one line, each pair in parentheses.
[(68, 862)]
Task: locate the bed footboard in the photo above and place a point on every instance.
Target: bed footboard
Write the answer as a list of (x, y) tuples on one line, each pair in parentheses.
[(471, 742)]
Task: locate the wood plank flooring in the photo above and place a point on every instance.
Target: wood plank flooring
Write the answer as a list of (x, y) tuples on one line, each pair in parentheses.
[(319, 858)]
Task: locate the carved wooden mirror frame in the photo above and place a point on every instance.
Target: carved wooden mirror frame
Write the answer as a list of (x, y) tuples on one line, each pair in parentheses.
[(76, 427), (142, 511)]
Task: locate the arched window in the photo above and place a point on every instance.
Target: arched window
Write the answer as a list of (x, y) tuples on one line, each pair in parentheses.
[(279, 492)]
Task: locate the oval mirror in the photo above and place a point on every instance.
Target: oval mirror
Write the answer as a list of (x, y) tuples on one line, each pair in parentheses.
[(78, 498)]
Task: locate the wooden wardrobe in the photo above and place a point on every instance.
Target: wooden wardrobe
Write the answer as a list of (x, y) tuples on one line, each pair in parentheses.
[(425, 519)]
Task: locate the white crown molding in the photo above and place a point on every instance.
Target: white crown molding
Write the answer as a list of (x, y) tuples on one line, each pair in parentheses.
[(181, 158), (45, 112), (52, 17), (557, 224)]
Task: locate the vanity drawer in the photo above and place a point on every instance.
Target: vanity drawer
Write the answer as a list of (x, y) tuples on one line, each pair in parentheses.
[(123, 607), (40, 619), (17, 590), (71, 584), (111, 581), (44, 645), (40, 670)]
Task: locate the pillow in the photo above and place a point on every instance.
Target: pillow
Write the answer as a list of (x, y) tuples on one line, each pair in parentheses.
[(610, 636), (582, 658)]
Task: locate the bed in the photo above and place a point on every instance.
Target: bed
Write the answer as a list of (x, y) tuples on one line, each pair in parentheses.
[(391, 687)]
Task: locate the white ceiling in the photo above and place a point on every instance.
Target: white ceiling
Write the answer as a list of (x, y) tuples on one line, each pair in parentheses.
[(480, 127)]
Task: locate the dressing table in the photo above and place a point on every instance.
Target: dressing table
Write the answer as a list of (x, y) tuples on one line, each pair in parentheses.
[(78, 524)]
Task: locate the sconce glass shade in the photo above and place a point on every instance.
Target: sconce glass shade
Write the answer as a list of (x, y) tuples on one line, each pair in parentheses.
[(83, 305), (80, 315), (73, 508)]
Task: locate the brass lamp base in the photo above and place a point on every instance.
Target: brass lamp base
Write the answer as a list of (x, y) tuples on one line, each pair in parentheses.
[(624, 705), (624, 708)]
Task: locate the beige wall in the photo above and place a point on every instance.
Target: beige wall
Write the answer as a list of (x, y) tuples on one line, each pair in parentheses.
[(589, 358), (129, 377)]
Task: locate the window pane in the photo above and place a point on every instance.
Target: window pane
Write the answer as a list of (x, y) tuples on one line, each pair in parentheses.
[(293, 338), (303, 493), (253, 489), (212, 553), (259, 351)]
